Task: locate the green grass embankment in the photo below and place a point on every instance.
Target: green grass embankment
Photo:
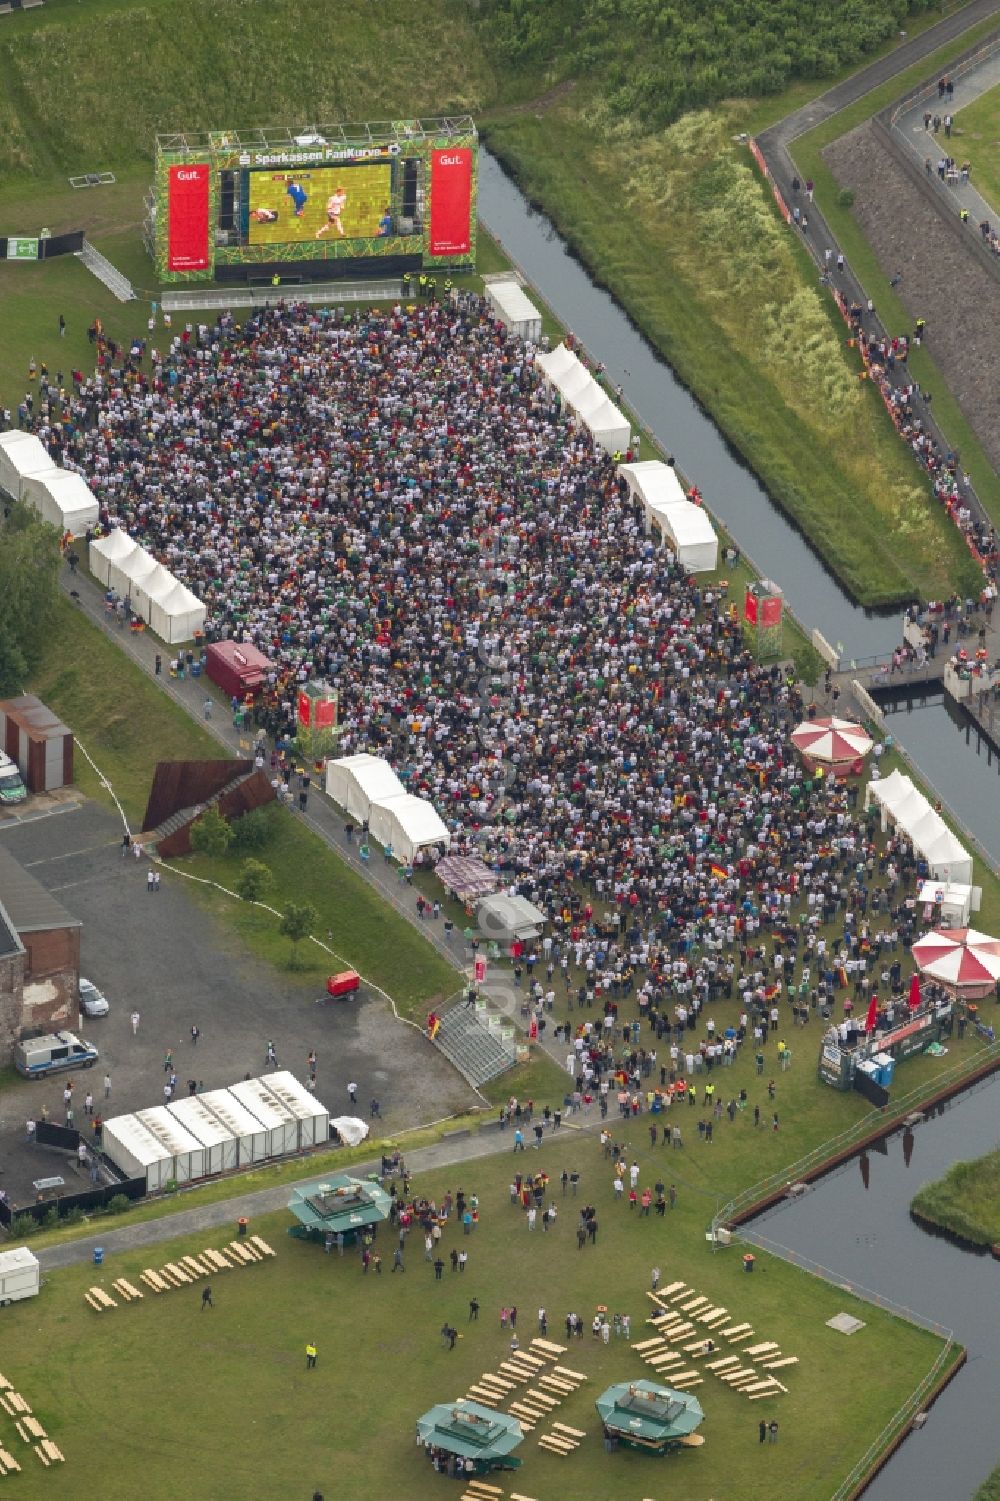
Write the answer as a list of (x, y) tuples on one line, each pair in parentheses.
[(965, 1202), (722, 289)]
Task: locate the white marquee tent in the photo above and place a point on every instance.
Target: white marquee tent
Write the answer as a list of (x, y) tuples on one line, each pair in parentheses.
[(685, 528), (185, 1151), (654, 484), (247, 1132), (21, 454), (355, 782), (586, 398), (409, 824), (905, 808), (177, 615), (281, 1127), (61, 497), (136, 1151), (509, 302), (220, 1146), (107, 550), (313, 1119)]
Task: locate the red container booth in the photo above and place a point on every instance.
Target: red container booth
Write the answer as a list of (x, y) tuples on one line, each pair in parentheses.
[(239, 670), (343, 985)]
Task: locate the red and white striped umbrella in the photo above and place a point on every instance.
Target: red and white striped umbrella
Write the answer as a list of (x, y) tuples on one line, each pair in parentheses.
[(831, 739), (958, 956)]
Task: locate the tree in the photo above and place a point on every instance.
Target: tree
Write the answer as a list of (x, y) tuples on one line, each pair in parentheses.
[(211, 834), (299, 917), (315, 745), (254, 880), (29, 572)]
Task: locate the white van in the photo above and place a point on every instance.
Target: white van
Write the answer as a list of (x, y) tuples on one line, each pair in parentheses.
[(41, 1056), (12, 789), (20, 1275)]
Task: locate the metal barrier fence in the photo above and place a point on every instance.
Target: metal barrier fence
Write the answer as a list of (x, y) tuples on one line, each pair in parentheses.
[(928, 88)]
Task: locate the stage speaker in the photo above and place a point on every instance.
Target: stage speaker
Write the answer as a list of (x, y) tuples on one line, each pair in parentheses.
[(410, 170), (227, 200)]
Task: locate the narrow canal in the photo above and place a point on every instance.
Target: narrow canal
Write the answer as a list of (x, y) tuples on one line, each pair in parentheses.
[(856, 1223)]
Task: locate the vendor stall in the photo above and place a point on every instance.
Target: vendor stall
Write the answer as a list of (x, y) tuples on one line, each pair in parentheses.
[(339, 1205), (949, 904), (468, 1439), (850, 1055), (238, 668), (507, 918), (644, 1415), (963, 960), (466, 877), (837, 744)]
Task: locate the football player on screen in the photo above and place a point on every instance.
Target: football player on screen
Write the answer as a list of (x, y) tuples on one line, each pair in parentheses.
[(335, 205), (297, 193)]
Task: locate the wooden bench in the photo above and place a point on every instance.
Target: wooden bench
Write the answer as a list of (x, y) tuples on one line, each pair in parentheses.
[(714, 1317), (741, 1373), (555, 1445), (543, 1399), (675, 1287), (669, 1357), (516, 1496), (9, 1463), (692, 1440), (528, 1359), (34, 1427), (724, 1364), (576, 1376), (262, 1245), (95, 1305), (5, 1385), (695, 1304), (128, 1292), (757, 1352), (758, 1386), (486, 1399), (496, 1381), (682, 1331), (514, 1372), (553, 1383), (649, 1344), (571, 1432), (684, 1383), (215, 1259), (737, 1331), (526, 1422), (777, 1365), (774, 1391), (679, 1296), (171, 1278), (22, 1432), (46, 1461), (243, 1252), (194, 1266), (154, 1280), (547, 1350), (487, 1490)]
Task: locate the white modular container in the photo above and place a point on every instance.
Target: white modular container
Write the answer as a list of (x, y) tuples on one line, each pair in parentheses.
[(248, 1134), (135, 1150), (20, 1276), (313, 1118), (221, 1150), (281, 1125), (186, 1153)]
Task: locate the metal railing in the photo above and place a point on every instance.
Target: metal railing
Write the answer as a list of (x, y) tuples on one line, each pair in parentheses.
[(854, 1134)]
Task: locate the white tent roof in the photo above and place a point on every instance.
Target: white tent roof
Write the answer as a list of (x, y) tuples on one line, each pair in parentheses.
[(167, 1129), (62, 497), (514, 308), (355, 782), (293, 1094), (588, 399), (691, 534), (135, 566), (21, 454), (176, 614), (574, 382), (557, 361), (890, 790), (609, 427), (106, 550), (200, 1122), (408, 824), (654, 482), (137, 1140)]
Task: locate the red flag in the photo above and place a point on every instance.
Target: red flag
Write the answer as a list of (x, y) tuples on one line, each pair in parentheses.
[(914, 991), (872, 1016)]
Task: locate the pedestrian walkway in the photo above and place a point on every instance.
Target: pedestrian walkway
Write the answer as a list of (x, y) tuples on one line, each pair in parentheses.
[(461, 1146)]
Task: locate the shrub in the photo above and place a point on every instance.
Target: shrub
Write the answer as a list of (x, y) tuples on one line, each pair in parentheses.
[(118, 1204), (252, 831), (52, 1218), (254, 880), (23, 1225), (74, 1216), (211, 834), (845, 198)]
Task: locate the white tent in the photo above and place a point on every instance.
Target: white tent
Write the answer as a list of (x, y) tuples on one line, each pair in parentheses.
[(654, 484), (62, 497), (280, 1125), (351, 1130), (148, 584), (219, 1143), (136, 1151), (355, 782), (690, 535), (514, 309), (407, 823), (888, 792), (186, 1153), (21, 454), (119, 577), (132, 569), (176, 615), (586, 398), (313, 1119), (247, 1132), (104, 551), (907, 808), (503, 918), (947, 858)]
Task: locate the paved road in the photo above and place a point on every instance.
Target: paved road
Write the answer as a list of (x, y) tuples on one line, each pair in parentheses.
[(467, 1148), (775, 145), (923, 143)]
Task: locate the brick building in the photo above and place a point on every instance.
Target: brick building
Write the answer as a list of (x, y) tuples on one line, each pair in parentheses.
[(39, 958)]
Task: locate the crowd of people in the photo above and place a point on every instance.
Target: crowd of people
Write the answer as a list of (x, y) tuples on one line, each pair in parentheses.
[(395, 502)]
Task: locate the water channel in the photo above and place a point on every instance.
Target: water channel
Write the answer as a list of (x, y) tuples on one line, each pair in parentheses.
[(730, 489), (861, 1230)]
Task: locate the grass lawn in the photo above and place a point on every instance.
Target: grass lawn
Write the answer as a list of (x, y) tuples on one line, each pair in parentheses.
[(966, 1200), (990, 1488), (127, 1378), (977, 129), (720, 287)]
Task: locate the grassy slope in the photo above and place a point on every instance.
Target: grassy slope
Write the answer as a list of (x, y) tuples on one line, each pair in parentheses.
[(382, 1362), (966, 1200), (807, 152), (990, 1488), (733, 334)]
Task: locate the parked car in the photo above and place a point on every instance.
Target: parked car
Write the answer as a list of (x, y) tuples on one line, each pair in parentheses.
[(92, 1002), (40, 1056), (12, 789)]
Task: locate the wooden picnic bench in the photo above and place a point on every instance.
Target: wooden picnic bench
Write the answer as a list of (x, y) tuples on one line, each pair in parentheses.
[(575, 1376), (724, 1363), (549, 1350), (777, 1365), (755, 1352), (8, 1464), (695, 1304), (572, 1432), (262, 1245)]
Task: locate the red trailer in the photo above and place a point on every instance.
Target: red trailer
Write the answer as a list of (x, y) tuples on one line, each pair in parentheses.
[(239, 669), (343, 985)]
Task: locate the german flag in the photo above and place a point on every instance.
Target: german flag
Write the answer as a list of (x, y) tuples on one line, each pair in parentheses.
[(719, 871)]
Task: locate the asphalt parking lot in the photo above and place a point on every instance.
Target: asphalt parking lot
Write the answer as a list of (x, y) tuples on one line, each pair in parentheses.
[(165, 957)]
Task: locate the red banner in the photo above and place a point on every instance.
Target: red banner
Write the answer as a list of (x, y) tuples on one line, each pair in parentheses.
[(326, 713), (770, 611), (305, 709), (451, 201), (750, 607), (187, 218)]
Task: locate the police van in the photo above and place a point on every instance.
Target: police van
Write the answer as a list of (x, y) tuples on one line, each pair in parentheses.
[(12, 789), (38, 1057)]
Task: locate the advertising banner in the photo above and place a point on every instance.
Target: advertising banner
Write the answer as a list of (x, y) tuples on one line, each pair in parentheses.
[(187, 217), (22, 249), (451, 201), (770, 612)]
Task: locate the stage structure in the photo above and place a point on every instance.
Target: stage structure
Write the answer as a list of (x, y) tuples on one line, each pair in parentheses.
[(331, 201)]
